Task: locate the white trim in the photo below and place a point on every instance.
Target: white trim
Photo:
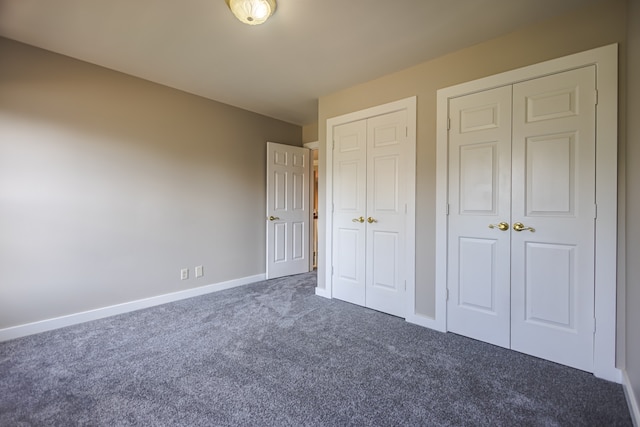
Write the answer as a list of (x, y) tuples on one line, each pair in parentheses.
[(424, 321), (632, 400), (100, 313), (325, 293), (606, 61), (315, 145), (409, 104)]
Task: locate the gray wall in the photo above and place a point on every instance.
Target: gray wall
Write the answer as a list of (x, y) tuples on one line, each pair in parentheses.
[(632, 354), (110, 184)]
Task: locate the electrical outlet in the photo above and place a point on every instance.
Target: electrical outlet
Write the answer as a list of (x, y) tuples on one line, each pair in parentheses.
[(184, 274), (199, 271)]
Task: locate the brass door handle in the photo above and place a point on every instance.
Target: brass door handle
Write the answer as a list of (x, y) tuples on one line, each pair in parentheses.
[(360, 220), (371, 220), (518, 226), (502, 226), (273, 218)]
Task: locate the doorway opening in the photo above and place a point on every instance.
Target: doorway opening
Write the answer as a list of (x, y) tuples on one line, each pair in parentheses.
[(314, 147)]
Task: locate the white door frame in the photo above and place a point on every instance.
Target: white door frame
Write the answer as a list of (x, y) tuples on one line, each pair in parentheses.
[(409, 104), (606, 61)]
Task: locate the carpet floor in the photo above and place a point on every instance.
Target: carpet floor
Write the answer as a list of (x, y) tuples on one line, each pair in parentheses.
[(274, 354)]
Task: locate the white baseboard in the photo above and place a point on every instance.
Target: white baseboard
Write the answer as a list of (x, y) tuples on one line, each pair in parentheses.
[(323, 292), (100, 313), (427, 322), (632, 399)]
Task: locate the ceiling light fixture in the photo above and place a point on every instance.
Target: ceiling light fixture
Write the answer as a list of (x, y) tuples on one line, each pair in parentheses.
[(252, 12)]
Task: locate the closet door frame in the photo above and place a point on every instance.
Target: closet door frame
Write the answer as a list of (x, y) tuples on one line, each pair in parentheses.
[(410, 105), (606, 61)]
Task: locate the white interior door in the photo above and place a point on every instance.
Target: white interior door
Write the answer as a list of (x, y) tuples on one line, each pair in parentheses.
[(522, 212), (288, 210), (386, 212), (552, 280), (479, 216), (349, 211), (369, 212)]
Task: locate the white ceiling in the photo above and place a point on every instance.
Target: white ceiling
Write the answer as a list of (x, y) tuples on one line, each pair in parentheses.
[(308, 49)]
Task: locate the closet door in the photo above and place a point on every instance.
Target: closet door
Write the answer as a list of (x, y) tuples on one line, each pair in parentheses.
[(522, 217), (369, 220), (479, 216), (552, 278), (349, 211), (386, 212)]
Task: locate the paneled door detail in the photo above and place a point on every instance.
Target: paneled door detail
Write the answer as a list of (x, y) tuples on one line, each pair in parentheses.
[(287, 214), (370, 212), (552, 269), (521, 220), (349, 211), (385, 287), (479, 216)]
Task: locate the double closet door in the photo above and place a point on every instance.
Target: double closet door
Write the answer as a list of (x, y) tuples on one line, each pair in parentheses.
[(522, 216), (369, 212)]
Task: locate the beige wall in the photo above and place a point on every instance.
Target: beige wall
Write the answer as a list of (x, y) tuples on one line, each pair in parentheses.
[(588, 28), (310, 132), (632, 342), (109, 185)]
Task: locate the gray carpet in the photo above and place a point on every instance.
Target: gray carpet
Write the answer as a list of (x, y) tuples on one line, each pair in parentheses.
[(273, 353)]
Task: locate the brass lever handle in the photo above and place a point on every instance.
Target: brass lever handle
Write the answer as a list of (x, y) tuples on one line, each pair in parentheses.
[(518, 226), (371, 220), (273, 218), (360, 220), (502, 226)]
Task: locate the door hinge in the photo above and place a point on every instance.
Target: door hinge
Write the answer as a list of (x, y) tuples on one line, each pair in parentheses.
[(448, 123), (595, 97), (594, 325), (447, 210), (595, 211), (405, 286), (332, 270), (447, 294)]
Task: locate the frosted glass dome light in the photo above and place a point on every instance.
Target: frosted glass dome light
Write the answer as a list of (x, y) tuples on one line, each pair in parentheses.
[(252, 12)]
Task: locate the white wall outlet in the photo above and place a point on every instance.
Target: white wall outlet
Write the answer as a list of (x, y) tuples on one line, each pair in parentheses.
[(184, 274), (199, 271)]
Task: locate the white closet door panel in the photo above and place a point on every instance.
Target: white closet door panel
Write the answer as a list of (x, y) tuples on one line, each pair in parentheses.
[(479, 195), (386, 216), (477, 283), (554, 193), (549, 285), (349, 226)]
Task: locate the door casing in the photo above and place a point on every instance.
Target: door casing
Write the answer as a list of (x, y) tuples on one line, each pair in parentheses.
[(606, 61)]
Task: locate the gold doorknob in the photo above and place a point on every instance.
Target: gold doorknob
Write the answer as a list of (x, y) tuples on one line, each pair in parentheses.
[(360, 220), (518, 226), (502, 226), (371, 220), (273, 218)]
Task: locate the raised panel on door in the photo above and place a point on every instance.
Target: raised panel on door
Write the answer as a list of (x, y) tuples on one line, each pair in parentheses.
[(554, 194), (479, 196), (349, 205), (287, 210), (386, 216)]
